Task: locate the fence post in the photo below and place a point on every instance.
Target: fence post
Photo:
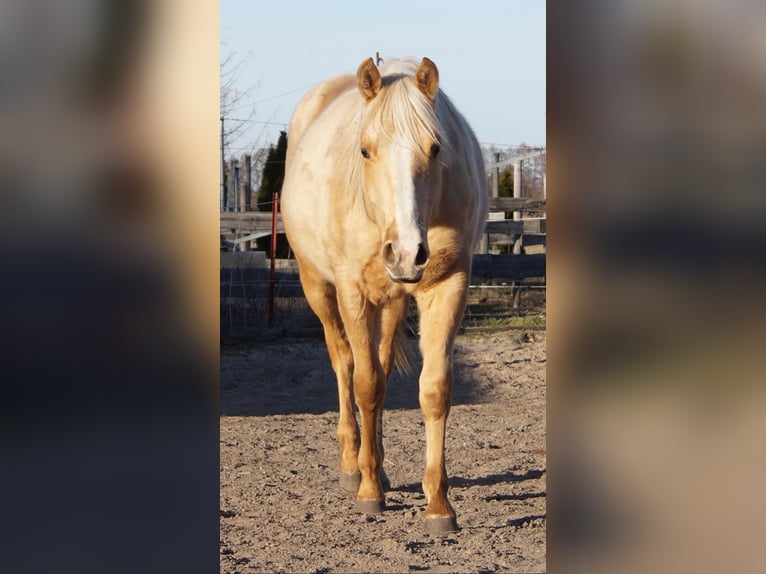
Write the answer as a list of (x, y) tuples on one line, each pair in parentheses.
[(517, 192), (223, 172), (246, 184), (272, 272), (231, 189), (235, 183)]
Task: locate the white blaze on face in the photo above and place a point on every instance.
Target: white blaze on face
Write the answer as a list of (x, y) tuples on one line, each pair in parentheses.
[(406, 213)]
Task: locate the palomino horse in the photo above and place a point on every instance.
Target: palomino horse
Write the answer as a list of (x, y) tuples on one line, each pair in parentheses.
[(384, 198)]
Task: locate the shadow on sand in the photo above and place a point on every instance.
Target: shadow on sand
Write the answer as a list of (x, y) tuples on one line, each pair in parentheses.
[(300, 380)]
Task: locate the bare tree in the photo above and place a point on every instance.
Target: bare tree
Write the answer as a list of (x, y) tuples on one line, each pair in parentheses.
[(259, 156), (236, 109)]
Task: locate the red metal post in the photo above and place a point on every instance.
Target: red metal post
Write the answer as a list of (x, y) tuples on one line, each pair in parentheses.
[(272, 274)]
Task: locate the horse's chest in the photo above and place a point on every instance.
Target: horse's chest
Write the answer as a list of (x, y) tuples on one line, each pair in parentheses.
[(375, 286)]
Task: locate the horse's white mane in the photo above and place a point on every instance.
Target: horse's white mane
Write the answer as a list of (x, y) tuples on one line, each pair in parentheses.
[(403, 105)]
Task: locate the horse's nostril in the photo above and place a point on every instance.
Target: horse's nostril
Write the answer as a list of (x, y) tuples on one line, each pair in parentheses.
[(422, 256), (388, 252)]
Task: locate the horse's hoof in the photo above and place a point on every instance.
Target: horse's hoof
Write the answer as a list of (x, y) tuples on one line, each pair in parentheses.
[(350, 481), (384, 481), (370, 506), (437, 525)]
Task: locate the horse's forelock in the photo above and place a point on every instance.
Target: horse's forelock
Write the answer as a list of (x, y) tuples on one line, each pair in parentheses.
[(411, 115)]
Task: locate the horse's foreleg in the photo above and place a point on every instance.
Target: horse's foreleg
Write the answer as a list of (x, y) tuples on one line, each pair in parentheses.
[(369, 379), (441, 309), (322, 298)]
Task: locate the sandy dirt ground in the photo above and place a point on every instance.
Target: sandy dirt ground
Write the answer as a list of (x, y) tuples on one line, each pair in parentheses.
[(283, 511)]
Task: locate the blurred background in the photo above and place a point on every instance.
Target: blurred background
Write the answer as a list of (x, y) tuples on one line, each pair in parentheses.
[(109, 264), (656, 140), (109, 150)]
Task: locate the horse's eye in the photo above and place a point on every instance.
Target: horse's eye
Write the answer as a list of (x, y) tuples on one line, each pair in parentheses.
[(435, 150), (365, 153)]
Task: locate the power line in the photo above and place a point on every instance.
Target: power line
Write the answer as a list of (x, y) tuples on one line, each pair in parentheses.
[(255, 121), (248, 147), (529, 147), (273, 97), (285, 93)]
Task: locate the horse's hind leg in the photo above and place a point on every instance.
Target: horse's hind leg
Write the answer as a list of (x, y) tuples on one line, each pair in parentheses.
[(441, 310), (391, 353), (322, 299)]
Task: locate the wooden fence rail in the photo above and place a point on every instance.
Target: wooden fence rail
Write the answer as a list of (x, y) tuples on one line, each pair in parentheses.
[(257, 222), (244, 227), (517, 204)]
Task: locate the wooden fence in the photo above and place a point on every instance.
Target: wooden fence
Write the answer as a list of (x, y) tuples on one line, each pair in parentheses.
[(248, 295), (240, 230)]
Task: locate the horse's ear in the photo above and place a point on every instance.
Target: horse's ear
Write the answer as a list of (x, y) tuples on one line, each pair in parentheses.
[(368, 79), (427, 78)]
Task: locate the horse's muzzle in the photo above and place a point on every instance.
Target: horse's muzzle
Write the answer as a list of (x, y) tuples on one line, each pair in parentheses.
[(405, 265)]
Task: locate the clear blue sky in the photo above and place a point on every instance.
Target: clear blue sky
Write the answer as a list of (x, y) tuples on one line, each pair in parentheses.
[(490, 55)]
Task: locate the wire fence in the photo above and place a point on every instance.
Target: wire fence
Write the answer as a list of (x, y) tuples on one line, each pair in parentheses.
[(495, 304)]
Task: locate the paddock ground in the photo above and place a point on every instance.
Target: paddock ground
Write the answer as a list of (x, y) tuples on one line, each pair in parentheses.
[(281, 508)]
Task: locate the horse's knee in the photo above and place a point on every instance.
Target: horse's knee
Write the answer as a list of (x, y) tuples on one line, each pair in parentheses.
[(435, 397), (369, 391)]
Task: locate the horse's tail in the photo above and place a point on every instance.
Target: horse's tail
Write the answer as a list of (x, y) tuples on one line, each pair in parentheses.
[(403, 354)]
